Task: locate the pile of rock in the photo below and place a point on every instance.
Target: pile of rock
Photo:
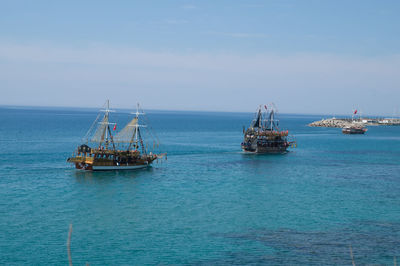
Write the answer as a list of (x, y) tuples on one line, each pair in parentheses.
[(332, 122)]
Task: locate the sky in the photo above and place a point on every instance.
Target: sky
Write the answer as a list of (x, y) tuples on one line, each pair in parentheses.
[(313, 57)]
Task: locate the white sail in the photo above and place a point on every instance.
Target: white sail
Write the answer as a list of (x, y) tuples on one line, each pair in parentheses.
[(127, 134), (101, 130)]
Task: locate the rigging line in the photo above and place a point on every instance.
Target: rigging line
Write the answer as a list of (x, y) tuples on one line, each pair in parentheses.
[(153, 135), (141, 142), (150, 129), (147, 129), (86, 137), (94, 123), (111, 137), (151, 132), (133, 138), (156, 142)]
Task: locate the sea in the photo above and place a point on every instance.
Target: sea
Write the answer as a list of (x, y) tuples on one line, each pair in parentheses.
[(332, 199)]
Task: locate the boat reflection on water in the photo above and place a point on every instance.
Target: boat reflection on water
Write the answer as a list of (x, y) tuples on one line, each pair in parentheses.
[(101, 177)]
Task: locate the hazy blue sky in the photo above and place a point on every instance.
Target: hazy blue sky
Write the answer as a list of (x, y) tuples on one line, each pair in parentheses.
[(305, 56)]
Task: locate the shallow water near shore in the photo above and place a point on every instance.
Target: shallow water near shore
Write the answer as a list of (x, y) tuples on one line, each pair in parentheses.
[(209, 203)]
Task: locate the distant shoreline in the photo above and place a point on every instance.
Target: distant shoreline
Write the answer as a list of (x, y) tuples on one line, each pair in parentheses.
[(345, 122)]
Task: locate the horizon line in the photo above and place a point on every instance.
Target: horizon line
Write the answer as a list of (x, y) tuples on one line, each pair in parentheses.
[(171, 110)]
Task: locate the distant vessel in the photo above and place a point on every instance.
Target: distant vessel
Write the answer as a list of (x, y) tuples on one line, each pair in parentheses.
[(119, 152), (264, 136), (354, 129)]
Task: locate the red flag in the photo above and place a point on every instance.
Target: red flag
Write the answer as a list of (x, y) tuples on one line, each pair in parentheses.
[(355, 112), (265, 107), (115, 127)]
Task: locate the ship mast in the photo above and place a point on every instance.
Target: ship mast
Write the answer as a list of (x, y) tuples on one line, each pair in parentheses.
[(106, 135), (107, 112), (270, 123), (271, 118), (137, 124), (130, 134), (259, 119), (136, 137)]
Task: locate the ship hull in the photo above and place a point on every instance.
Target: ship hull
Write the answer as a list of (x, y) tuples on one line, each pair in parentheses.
[(352, 131), (266, 151), (120, 167), (89, 167), (265, 147)]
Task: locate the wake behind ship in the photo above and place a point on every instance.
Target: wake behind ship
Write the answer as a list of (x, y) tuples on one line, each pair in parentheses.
[(124, 151), (264, 136)]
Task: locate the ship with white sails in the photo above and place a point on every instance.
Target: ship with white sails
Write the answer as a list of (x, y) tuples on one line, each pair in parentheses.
[(102, 150)]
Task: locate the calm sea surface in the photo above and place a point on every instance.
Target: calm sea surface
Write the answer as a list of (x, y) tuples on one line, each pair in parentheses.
[(207, 204)]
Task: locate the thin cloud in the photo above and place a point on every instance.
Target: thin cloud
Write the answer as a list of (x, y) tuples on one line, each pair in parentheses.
[(246, 35), (188, 6), (102, 54), (297, 82), (176, 21), (239, 34)]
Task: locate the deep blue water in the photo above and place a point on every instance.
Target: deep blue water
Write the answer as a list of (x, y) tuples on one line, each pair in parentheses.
[(207, 204)]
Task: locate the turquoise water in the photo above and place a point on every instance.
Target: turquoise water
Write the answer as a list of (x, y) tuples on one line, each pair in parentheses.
[(207, 204)]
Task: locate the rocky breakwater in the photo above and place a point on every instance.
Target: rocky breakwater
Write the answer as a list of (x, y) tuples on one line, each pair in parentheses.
[(331, 122)]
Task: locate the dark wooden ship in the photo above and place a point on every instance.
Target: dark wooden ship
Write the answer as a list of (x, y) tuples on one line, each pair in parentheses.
[(264, 136), (104, 151), (354, 129)]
